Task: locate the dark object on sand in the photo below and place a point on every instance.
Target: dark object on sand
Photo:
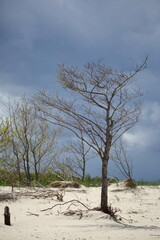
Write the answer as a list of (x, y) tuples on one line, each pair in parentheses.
[(64, 184), (7, 216)]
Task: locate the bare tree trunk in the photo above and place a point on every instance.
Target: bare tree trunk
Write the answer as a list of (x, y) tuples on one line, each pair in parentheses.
[(83, 168), (104, 190), (28, 166), (27, 171), (36, 172), (18, 169)]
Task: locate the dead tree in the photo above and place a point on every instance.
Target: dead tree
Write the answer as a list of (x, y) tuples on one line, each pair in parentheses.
[(103, 104), (81, 155), (122, 160)]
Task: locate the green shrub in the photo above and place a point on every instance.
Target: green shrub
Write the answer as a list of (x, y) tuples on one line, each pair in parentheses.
[(90, 182)]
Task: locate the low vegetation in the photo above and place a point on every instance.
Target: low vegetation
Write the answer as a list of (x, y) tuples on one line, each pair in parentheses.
[(45, 179), (147, 183)]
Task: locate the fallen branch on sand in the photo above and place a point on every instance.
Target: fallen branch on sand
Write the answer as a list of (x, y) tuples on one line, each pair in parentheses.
[(72, 212), (7, 196), (35, 214), (71, 201), (79, 212)]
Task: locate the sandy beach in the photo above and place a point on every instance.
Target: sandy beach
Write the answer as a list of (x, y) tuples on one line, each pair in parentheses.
[(140, 214)]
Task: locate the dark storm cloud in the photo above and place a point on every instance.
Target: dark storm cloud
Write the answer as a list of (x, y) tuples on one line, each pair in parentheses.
[(35, 35)]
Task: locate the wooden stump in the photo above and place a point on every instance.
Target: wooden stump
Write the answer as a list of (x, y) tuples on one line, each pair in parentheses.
[(7, 216)]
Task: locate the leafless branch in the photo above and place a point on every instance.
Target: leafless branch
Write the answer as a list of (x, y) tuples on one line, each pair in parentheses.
[(62, 204)]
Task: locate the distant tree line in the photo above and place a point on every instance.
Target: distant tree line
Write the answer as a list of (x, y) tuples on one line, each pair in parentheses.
[(30, 146)]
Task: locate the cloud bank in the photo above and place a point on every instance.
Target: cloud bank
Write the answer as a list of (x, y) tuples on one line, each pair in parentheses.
[(36, 35)]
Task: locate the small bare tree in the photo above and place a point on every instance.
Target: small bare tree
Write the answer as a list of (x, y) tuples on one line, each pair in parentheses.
[(122, 159), (103, 104), (81, 153)]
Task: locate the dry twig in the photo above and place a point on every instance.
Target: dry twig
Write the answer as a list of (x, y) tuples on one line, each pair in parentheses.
[(35, 214)]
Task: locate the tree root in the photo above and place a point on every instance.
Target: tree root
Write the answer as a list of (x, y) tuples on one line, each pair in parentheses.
[(112, 212)]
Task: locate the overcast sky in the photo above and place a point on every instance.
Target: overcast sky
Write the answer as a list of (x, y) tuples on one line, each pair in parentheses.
[(36, 35)]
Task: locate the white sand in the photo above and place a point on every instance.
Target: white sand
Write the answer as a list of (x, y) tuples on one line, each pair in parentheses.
[(140, 212)]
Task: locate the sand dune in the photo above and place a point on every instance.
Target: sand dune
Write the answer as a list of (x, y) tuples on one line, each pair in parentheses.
[(140, 214)]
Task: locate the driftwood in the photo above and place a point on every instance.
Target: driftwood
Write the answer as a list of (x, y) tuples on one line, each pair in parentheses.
[(34, 193), (61, 204), (73, 212), (44, 193), (35, 214), (6, 196)]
